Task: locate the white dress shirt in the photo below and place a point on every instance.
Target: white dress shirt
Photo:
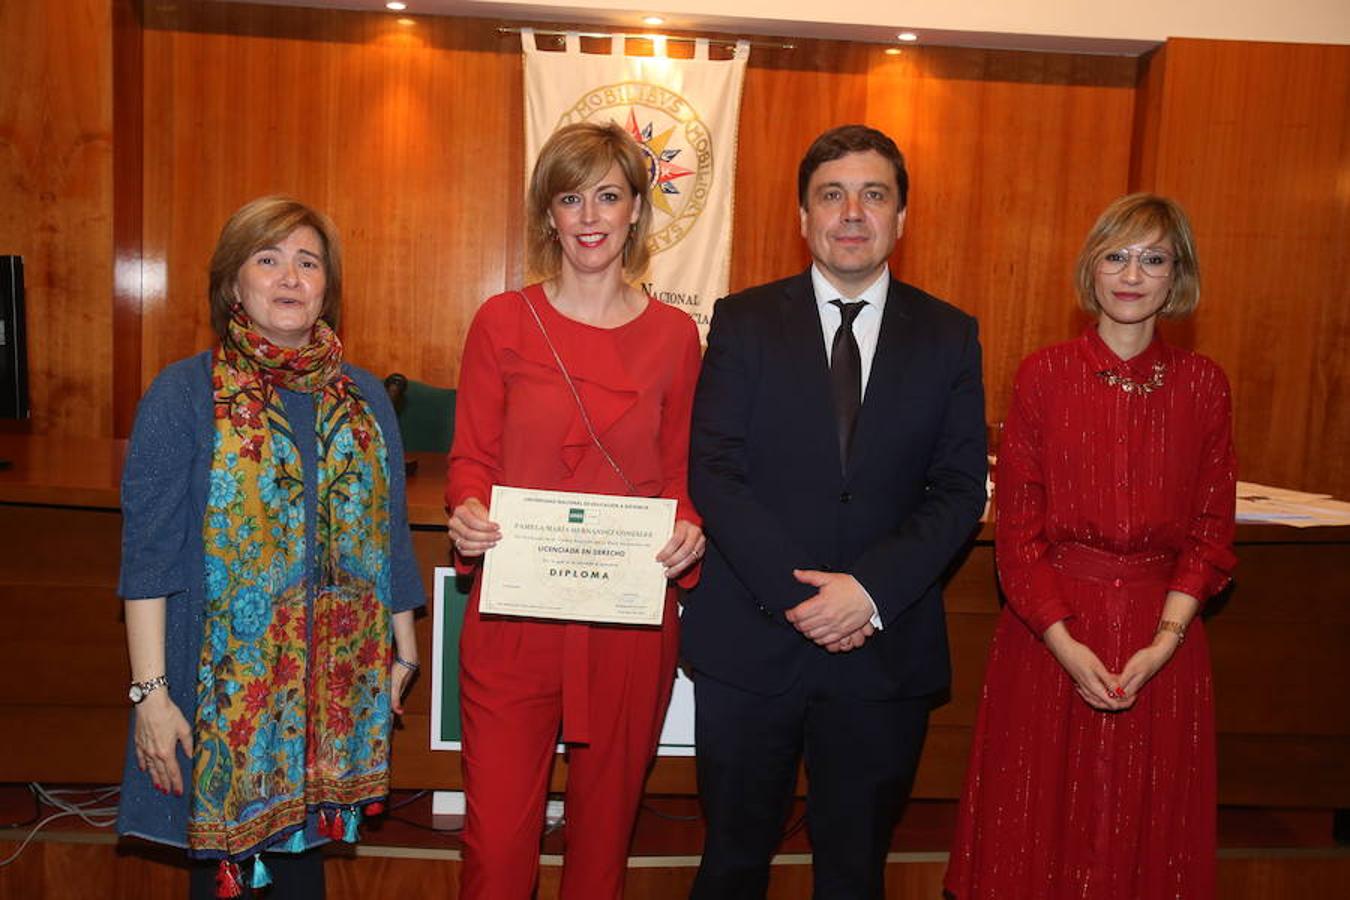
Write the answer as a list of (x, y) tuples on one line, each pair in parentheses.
[(867, 324), (866, 328)]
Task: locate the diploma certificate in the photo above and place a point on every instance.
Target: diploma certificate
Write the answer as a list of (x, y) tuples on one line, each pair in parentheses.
[(582, 557)]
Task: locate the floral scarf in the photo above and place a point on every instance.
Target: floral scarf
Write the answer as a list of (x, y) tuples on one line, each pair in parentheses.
[(293, 709)]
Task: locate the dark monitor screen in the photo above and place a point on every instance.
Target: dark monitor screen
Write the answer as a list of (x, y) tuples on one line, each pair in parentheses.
[(13, 341)]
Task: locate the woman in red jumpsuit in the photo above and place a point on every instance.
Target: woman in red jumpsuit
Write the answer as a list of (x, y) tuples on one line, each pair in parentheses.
[(583, 338), (1092, 771)]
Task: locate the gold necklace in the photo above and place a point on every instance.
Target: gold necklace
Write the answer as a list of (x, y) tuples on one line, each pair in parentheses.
[(1129, 385)]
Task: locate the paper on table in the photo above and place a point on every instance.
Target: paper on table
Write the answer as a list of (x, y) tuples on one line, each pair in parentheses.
[(1259, 503)]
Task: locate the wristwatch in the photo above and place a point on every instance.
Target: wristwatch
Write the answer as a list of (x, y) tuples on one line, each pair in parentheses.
[(139, 690)]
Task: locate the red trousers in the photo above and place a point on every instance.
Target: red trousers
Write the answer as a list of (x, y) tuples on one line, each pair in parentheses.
[(608, 687)]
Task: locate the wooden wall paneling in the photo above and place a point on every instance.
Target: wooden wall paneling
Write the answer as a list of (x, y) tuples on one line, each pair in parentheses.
[(1011, 157), (1276, 722), (57, 569), (1263, 690), (1267, 692), (790, 96), (183, 182), (909, 880), (365, 876), (1283, 736), (408, 137), (1148, 118), (1263, 877), (128, 108), (55, 210), (83, 663), (1254, 140), (66, 870), (443, 230), (971, 600), (215, 107), (1291, 771), (65, 744)]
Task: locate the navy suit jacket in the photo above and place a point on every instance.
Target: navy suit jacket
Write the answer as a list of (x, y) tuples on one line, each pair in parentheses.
[(765, 473)]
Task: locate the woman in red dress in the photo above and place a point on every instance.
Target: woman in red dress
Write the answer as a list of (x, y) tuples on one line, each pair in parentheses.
[(1092, 771), (578, 383)]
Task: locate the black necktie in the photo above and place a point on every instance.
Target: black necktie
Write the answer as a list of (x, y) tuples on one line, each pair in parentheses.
[(846, 374)]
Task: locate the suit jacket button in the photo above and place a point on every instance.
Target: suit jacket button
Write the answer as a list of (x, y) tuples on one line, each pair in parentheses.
[(845, 497), (765, 611)]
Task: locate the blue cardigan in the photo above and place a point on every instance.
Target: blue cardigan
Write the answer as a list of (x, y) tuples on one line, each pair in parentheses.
[(164, 489)]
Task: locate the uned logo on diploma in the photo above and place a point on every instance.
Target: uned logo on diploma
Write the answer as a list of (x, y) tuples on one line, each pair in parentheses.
[(576, 515)]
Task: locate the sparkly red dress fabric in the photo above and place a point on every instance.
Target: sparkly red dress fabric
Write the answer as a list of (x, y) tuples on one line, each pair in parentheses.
[(607, 686), (1106, 500)]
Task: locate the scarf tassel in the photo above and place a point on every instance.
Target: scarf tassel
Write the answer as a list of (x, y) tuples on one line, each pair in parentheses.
[(352, 835), (374, 809), (261, 877), (297, 842), (227, 880), (333, 826)]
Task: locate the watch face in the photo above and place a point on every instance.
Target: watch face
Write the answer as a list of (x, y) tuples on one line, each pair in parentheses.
[(137, 693)]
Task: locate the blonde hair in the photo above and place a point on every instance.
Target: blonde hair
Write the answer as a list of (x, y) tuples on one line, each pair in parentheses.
[(262, 223), (1136, 217), (577, 156)]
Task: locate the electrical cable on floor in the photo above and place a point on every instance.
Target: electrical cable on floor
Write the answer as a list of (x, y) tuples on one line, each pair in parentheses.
[(669, 817), (90, 811), (420, 826), (416, 795)]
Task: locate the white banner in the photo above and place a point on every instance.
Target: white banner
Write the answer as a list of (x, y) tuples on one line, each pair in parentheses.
[(684, 113)]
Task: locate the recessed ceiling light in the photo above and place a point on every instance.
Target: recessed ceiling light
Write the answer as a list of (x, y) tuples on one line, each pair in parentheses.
[(396, 6), (653, 20), (907, 36)]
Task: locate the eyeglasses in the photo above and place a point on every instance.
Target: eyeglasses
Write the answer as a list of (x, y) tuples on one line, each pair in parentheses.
[(1152, 262)]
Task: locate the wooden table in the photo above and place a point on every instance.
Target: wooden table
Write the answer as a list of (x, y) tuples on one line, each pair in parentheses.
[(1280, 641)]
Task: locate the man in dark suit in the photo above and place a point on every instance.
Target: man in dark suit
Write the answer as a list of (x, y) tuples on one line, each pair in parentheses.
[(838, 460)]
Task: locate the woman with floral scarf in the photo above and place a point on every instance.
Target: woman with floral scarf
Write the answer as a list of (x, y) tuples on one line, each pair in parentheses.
[(268, 574)]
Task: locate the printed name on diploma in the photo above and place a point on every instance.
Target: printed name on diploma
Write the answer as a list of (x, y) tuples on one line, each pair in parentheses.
[(580, 557)]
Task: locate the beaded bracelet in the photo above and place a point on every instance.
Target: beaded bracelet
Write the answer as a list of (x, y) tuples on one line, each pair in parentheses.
[(410, 666), (1175, 627)]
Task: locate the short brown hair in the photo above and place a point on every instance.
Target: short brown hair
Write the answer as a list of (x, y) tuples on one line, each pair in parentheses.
[(846, 139), (262, 223), (1133, 218), (574, 157)]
